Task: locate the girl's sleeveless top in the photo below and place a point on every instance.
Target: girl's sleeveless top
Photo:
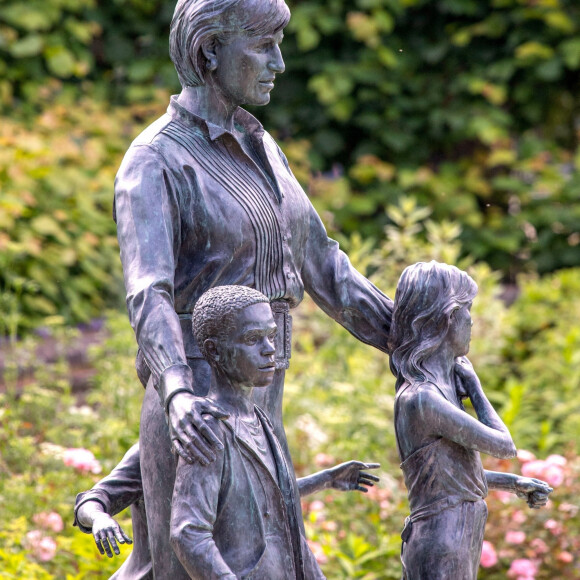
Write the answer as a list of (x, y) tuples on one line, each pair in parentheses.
[(442, 474)]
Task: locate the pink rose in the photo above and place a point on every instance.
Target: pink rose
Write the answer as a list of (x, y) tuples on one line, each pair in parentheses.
[(558, 460), (534, 468), (554, 527), (553, 474), (488, 555), (324, 460), (565, 557), (43, 547), (49, 521), (519, 517), (318, 552), (513, 537), (82, 460), (523, 569), (539, 546), (503, 496), (317, 506), (525, 456)]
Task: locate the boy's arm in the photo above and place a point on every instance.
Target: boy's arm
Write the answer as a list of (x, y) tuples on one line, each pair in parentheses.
[(193, 515), (534, 491), (344, 477)]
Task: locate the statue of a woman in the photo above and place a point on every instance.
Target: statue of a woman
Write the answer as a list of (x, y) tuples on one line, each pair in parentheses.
[(439, 443), (204, 197)]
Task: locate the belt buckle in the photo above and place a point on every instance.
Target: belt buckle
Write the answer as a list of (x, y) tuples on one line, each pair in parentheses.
[(281, 311)]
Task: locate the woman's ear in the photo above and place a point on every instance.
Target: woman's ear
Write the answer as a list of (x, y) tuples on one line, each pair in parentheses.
[(209, 50)]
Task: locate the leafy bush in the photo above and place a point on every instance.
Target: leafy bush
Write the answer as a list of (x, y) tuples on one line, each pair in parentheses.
[(58, 245), (469, 106), (338, 406)]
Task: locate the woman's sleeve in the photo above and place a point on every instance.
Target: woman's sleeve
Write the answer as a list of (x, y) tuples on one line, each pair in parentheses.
[(148, 229), (343, 292)]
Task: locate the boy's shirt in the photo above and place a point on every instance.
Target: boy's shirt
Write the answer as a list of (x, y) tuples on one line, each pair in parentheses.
[(233, 518)]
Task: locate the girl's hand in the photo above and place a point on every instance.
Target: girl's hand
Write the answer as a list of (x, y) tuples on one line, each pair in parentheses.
[(534, 491), (464, 376)]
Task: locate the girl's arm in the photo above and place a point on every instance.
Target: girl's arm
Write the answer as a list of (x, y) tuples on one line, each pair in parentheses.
[(436, 416), (534, 491)]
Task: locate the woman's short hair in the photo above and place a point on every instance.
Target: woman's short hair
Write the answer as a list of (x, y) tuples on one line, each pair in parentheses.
[(214, 315), (426, 297), (196, 21)]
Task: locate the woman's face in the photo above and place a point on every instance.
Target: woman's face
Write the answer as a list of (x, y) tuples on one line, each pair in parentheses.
[(247, 66), (459, 333)]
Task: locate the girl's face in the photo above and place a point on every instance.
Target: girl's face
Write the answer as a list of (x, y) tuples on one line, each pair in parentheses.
[(459, 334)]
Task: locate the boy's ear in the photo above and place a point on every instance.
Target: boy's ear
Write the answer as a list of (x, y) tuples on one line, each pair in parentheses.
[(210, 347)]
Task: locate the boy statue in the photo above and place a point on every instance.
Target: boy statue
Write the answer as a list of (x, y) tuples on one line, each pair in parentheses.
[(239, 516)]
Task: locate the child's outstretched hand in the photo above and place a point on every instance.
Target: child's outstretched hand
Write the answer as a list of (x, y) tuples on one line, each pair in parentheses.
[(350, 476), (534, 491), (107, 532)]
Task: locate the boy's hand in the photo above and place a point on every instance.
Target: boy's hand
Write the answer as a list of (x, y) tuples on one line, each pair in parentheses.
[(107, 532), (350, 475), (534, 491)]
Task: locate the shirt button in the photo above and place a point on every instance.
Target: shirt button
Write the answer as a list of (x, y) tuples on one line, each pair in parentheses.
[(266, 514)]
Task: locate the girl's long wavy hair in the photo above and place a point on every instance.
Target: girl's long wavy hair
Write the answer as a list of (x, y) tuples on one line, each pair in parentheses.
[(426, 297)]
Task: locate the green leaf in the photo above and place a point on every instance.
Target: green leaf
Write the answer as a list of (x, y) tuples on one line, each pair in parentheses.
[(60, 61), (28, 46), (571, 52)]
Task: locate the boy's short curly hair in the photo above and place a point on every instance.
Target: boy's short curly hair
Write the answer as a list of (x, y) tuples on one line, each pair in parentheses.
[(215, 312)]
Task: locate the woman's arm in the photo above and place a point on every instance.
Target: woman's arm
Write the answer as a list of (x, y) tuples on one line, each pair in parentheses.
[(148, 228), (341, 291)]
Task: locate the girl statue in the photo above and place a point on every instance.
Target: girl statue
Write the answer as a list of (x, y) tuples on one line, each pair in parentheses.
[(438, 441)]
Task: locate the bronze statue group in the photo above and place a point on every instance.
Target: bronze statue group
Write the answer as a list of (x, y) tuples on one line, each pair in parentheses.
[(218, 244)]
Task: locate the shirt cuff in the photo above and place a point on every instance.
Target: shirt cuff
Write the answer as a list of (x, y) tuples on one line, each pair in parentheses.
[(174, 379), (85, 497)]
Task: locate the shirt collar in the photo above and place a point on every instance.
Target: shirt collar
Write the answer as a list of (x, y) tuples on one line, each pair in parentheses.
[(242, 118)]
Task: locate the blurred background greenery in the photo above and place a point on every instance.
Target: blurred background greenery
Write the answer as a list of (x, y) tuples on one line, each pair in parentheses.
[(421, 129)]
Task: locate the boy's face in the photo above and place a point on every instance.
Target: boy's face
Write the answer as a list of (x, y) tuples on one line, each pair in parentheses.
[(247, 355)]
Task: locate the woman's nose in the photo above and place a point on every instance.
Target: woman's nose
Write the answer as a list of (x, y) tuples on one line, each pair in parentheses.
[(276, 63)]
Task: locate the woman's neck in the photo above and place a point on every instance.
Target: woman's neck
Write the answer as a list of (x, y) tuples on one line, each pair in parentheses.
[(207, 102)]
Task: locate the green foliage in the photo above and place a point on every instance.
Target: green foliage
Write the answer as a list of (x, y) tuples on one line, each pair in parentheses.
[(468, 106), (338, 406), (58, 248), (115, 49)]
